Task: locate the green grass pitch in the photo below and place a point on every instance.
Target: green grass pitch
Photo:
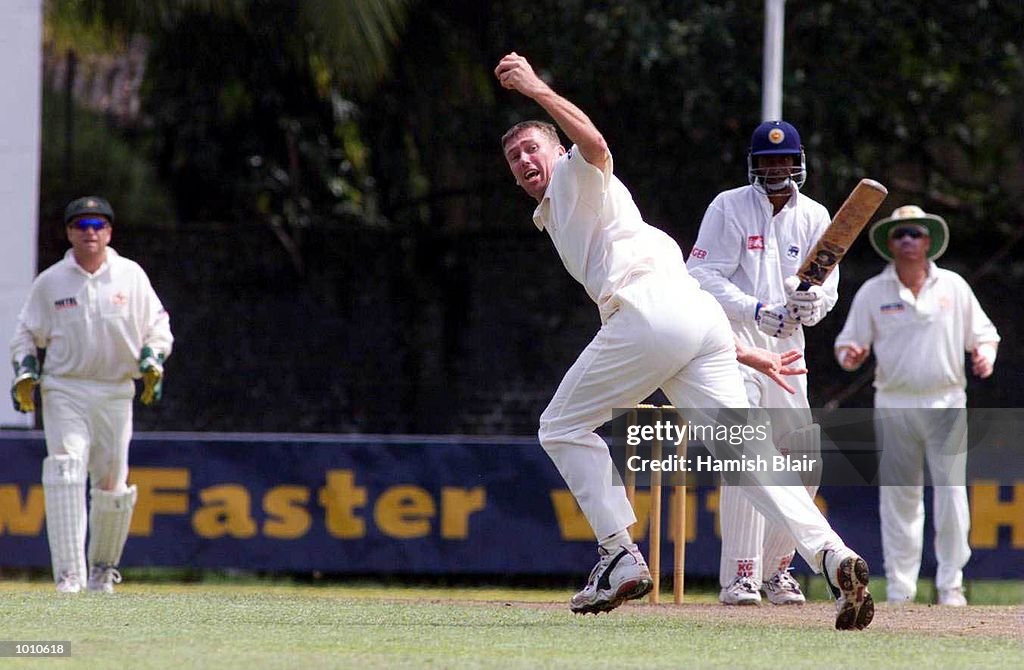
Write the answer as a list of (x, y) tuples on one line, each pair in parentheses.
[(257, 626)]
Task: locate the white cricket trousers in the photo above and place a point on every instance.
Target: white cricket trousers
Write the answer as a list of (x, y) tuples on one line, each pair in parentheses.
[(908, 439), (667, 334), (751, 547), (91, 421)]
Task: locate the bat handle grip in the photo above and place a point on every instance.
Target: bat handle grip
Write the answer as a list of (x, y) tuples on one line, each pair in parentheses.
[(804, 286)]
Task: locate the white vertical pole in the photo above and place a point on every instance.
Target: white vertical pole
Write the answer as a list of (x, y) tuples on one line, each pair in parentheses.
[(774, 25), (21, 39), (20, 72)]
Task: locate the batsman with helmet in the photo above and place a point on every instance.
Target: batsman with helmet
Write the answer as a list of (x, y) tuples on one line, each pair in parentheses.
[(101, 324), (751, 243)]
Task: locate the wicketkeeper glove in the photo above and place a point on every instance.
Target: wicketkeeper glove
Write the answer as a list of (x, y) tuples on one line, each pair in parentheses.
[(805, 307), (26, 378), (775, 321), (151, 365)]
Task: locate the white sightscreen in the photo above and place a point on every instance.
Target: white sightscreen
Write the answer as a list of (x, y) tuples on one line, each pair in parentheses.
[(20, 119)]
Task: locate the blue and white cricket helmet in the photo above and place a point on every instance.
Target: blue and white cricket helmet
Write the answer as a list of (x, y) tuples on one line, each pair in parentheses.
[(775, 138)]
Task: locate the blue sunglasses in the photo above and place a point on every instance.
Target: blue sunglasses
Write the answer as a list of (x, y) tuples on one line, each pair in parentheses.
[(95, 224)]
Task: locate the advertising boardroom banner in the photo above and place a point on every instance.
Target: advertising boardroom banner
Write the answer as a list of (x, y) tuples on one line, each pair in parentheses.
[(364, 504)]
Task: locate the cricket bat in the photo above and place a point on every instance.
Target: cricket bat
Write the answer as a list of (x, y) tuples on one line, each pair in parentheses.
[(846, 225)]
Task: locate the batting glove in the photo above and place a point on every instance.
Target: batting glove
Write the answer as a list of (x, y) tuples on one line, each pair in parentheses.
[(775, 321), (23, 390), (151, 365), (805, 307)]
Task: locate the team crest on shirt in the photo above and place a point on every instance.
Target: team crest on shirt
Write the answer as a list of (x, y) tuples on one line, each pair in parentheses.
[(697, 252), (755, 242), (892, 308), (120, 299), (945, 303), (65, 303), (793, 252)]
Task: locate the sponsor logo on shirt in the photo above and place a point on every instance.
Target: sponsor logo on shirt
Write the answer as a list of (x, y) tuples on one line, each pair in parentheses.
[(65, 303), (892, 308), (697, 252), (755, 242), (793, 251), (120, 299)]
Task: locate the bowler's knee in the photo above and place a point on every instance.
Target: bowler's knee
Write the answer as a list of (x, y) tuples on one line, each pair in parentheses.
[(554, 435)]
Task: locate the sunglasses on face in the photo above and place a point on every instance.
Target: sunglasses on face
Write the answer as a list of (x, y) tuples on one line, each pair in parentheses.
[(912, 233), (86, 224)]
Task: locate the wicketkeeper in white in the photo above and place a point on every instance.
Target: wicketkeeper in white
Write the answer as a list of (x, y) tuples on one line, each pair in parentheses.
[(919, 319), (658, 330), (102, 326), (751, 243)]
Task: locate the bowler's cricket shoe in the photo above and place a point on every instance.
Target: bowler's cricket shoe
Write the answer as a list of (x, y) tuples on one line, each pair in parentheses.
[(782, 589), (615, 579), (846, 574)]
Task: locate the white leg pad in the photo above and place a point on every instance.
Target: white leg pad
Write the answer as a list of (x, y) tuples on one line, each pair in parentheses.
[(110, 515), (64, 493)]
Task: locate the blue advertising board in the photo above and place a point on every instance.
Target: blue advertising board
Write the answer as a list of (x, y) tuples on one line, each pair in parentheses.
[(366, 504)]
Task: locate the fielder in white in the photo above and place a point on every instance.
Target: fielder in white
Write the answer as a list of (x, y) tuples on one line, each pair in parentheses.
[(751, 243), (658, 329), (920, 319), (102, 325)]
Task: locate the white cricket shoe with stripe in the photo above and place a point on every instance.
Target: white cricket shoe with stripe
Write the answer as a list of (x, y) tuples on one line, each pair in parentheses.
[(846, 575), (742, 591), (782, 589), (615, 579)]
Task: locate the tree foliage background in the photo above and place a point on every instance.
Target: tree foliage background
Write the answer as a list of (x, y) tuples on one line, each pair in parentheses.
[(347, 250)]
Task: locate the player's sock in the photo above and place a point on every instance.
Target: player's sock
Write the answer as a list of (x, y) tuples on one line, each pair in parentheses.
[(616, 540)]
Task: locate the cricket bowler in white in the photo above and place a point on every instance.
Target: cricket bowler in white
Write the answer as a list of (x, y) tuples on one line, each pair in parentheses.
[(919, 319), (658, 330), (751, 243), (102, 326)]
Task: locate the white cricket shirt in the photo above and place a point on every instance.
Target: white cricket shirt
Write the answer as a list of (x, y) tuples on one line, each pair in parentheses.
[(919, 343), (93, 326), (744, 253), (599, 233)]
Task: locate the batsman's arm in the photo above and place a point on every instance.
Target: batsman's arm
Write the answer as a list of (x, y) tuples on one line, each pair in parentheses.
[(515, 72), (715, 257)]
